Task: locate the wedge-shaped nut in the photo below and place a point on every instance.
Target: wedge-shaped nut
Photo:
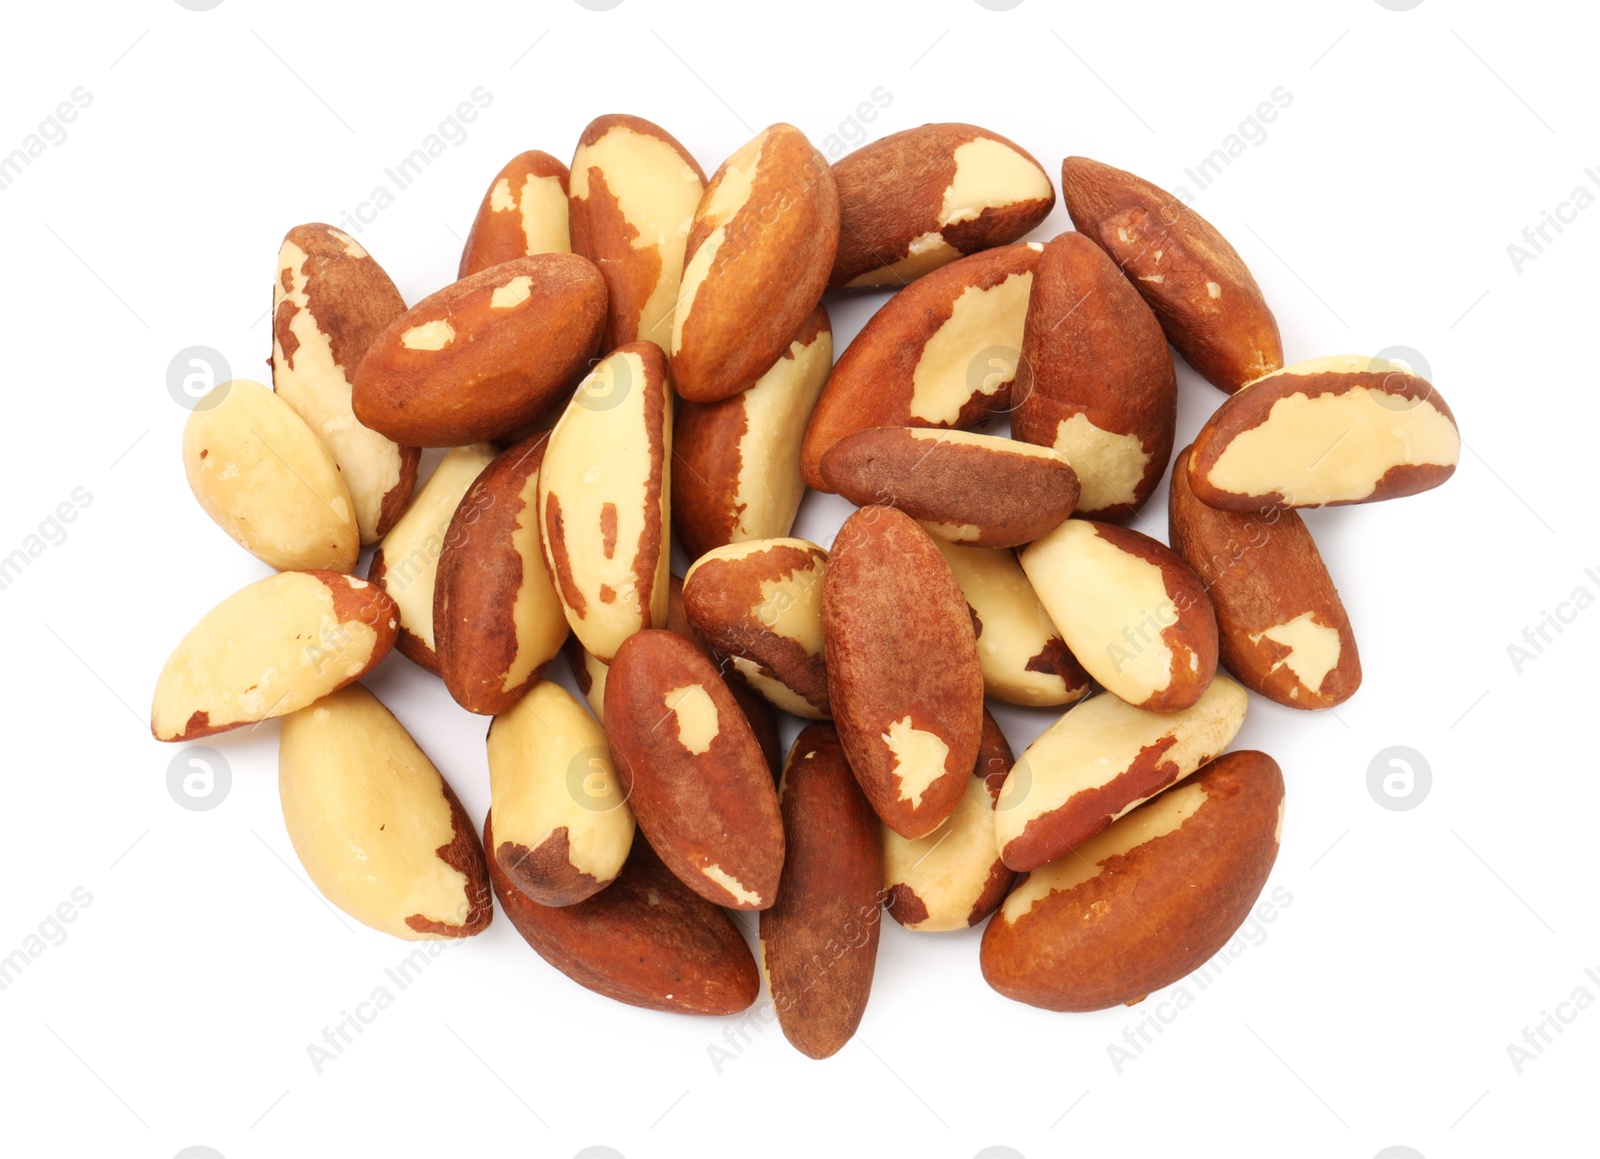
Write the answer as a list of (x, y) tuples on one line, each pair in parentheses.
[(760, 604), (819, 941), (977, 490), (1023, 658), (562, 827), (1199, 287), (1145, 902), (1281, 627), (1324, 433), (272, 648), (1096, 381), (376, 827), (645, 939), (634, 191), (524, 213), (1131, 611), (953, 878), (921, 198), (692, 770), (603, 492), (484, 356), (497, 620), (1098, 762), (755, 264), (266, 479), (941, 353), (738, 460), (331, 299), (904, 681), (406, 564)]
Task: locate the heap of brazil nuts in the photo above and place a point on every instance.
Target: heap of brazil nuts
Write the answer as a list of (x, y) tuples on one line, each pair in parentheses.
[(634, 353)]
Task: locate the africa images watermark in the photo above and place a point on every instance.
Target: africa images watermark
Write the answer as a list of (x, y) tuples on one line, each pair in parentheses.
[(52, 131), (51, 932), (339, 1037), (1537, 238), (1542, 1035), (51, 532), (1251, 133), (1536, 637)]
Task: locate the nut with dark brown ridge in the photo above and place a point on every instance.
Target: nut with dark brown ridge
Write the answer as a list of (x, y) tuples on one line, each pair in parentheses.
[(524, 213)]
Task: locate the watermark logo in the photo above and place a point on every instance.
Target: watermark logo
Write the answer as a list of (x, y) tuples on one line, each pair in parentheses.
[(1400, 6), (193, 373), (1542, 1035), (1537, 637), (198, 778), (200, 6), (609, 383), (1399, 778), (592, 781)]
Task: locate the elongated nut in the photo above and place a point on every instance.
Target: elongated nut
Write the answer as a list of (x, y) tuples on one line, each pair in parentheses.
[(380, 833), (1145, 902), (271, 648), (603, 492), (760, 604), (524, 213), (1096, 381), (406, 564), (634, 189), (563, 829), (1131, 611), (1326, 432), (953, 878), (266, 479), (1101, 759), (497, 620), (330, 300), (1199, 287)]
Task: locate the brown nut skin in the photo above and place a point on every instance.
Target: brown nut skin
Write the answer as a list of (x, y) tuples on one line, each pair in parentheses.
[(975, 490), (1144, 903), (644, 939), (523, 213), (1282, 628), (819, 941), (1208, 303), (1096, 381), (690, 766), (900, 210), (911, 367), (904, 680), (457, 368), (755, 265)]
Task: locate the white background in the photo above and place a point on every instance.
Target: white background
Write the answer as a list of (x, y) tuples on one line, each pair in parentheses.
[(1374, 1011)]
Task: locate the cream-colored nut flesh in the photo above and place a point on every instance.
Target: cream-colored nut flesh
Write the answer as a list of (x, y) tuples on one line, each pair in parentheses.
[(1109, 466), (991, 174), (549, 770), (1099, 740), (981, 319), (776, 411), (366, 811), (1017, 631), (263, 475), (949, 868), (791, 603), (732, 884), (267, 650), (595, 669), (778, 693), (412, 548), (695, 716), (919, 759), (732, 190), (926, 253), (1314, 649), (318, 387), (536, 615), (541, 209)]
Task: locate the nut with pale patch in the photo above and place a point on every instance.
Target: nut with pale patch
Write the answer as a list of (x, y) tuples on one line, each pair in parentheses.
[(1147, 901), (484, 356), (330, 300), (562, 828), (603, 489), (271, 648), (760, 604), (524, 213), (1023, 658), (497, 620), (1208, 303), (634, 189), (737, 473), (921, 198), (940, 353), (406, 564), (1282, 629), (266, 479), (755, 264), (1325, 432), (380, 833), (904, 681), (1099, 761), (693, 771), (953, 878), (976, 490), (1129, 608), (819, 940), (1096, 380)]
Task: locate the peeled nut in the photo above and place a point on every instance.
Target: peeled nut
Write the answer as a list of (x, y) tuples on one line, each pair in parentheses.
[(524, 213)]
